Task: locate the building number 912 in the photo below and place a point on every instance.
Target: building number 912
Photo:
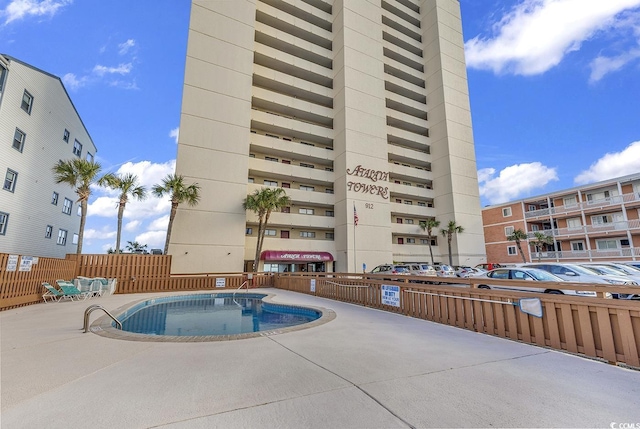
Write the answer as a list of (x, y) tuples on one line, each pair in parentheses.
[(368, 205)]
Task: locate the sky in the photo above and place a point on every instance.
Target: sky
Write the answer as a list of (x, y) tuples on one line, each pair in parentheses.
[(554, 88)]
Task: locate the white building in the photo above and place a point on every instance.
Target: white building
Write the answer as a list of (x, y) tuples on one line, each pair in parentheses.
[(348, 105), (38, 126)]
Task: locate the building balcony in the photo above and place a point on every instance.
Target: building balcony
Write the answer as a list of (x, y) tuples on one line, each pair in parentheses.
[(596, 205), (591, 230), (414, 211), (626, 254)]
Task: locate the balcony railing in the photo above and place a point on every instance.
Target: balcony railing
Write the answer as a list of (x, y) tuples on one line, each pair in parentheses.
[(605, 202), (587, 255), (588, 229)]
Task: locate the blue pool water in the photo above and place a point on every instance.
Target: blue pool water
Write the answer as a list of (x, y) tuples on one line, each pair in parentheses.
[(216, 314)]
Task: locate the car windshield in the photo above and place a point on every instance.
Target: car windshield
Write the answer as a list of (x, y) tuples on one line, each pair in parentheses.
[(543, 276), (445, 268), (425, 267), (584, 270), (402, 269), (611, 270)]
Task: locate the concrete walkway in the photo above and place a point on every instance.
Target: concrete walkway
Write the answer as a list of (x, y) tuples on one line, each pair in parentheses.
[(364, 369)]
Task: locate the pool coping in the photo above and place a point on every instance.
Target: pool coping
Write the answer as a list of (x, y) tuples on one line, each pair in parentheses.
[(103, 325)]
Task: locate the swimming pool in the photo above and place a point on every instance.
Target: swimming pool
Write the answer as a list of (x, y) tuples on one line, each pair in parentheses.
[(208, 317)]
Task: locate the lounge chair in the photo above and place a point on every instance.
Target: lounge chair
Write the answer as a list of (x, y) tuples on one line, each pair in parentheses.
[(107, 286), (70, 290), (51, 292), (90, 286)]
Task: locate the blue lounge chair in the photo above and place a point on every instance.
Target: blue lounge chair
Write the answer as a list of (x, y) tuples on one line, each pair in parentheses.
[(70, 290), (53, 293)]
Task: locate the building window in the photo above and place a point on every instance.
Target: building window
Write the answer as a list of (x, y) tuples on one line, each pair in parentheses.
[(251, 180), (284, 234), (54, 199), (400, 240), (535, 228), (606, 244), (511, 250), (532, 208), (411, 240), (328, 191), (570, 201), (48, 232), (306, 188), (328, 169), (420, 185), (328, 235), (329, 213), (422, 204), (18, 140), (4, 219), (286, 185), (306, 211), (406, 183), (304, 164), (307, 234), (575, 222), (75, 238), (508, 230), (62, 237), (286, 161), (424, 241), (27, 102), (407, 202), (270, 232), (409, 221), (3, 73), (285, 209), (506, 212), (577, 246), (10, 180), (270, 183), (89, 157), (399, 220), (77, 148), (269, 158), (248, 231), (66, 135), (66, 207)]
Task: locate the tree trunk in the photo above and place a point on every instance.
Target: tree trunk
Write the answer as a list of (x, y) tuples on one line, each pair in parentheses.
[(430, 249), (449, 236), (174, 209), (521, 252), (83, 219), (261, 231), (119, 234)]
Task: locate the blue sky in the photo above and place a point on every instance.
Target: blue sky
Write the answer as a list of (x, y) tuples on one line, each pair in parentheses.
[(554, 88)]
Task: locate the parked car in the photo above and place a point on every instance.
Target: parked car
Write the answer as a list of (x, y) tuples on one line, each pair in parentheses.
[(632, 264), (462, 271), (422, 270), (392, 269), (608, 269), (580, 273), (529, 274), (475, 271), (444, 270)]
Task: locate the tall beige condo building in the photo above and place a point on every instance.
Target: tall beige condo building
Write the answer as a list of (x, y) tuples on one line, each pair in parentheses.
[(357, 108)]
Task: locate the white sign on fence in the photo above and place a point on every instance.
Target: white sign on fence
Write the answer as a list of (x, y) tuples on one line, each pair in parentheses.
[(221, 282), (25, 263), (391, 295), (12, 262), (313, 285)]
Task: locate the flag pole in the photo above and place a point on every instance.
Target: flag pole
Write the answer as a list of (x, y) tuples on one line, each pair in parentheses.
[(355, 224)]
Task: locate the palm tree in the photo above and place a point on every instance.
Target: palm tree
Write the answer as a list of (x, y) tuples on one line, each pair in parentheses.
[(80, 174), (428, 226), (262, 202), (180, 193), (540, 241), (135, 247), (126, 185), (452, 228), (518, 235)]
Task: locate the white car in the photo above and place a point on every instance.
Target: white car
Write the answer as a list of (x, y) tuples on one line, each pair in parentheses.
[(612, 269), (528, 274), (445, 270)]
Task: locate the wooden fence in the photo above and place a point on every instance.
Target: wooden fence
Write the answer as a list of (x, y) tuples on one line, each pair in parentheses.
[(134, 274), (600, 328)]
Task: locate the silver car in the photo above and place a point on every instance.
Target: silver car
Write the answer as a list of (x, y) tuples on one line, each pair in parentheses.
[(529, 274)]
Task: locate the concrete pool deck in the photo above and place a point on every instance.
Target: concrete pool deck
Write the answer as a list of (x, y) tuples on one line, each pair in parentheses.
[(364, 369)]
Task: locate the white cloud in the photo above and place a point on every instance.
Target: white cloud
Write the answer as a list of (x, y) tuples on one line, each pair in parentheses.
[(123, 48), (612, 165), (602, 65), (535, 35), (132, 226), (72, 82), (121, 69), (153, 239), (514, 181), (102, 234), (149, 174), (20, 9), (175, 134), (160, 223)]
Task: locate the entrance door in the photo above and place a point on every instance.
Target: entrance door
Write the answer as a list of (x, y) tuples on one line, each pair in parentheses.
[(284, 234)]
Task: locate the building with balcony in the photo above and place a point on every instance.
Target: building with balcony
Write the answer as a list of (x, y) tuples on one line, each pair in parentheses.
[(351, 107), (595, 222), (39, 126)]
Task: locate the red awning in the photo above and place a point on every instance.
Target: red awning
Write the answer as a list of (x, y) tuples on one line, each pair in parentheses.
[(286, 255)]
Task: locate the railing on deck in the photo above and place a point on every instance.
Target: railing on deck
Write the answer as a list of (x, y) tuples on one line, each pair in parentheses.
[(594, 327)]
